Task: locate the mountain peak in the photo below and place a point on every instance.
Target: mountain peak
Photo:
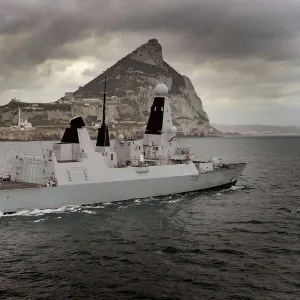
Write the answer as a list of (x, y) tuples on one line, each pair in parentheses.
[(153, 43), (132, 80), (149, 53)]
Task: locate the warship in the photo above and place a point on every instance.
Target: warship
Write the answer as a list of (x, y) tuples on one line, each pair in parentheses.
[(77, 172)]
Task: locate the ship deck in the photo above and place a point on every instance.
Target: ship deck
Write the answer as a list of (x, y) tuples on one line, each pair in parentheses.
[(12, 185)]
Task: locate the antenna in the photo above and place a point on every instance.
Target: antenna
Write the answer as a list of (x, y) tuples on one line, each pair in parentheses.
[(42, 148), (104, 103), (19, 124), (104, 107), (103, 134)]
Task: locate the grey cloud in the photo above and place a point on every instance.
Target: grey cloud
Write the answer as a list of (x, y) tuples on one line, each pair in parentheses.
[(227, 28), (232, 35), (249, 80)]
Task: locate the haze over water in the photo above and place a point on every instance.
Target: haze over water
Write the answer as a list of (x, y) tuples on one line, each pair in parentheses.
[(239, 243)]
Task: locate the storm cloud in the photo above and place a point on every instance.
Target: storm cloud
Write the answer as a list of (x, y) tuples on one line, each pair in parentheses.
[(242, 56)]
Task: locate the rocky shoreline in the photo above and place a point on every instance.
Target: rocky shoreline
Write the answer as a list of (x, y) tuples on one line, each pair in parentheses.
[(55, 134)]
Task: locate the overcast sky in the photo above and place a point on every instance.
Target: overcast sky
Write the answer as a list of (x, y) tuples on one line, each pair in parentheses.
[(243, 56)]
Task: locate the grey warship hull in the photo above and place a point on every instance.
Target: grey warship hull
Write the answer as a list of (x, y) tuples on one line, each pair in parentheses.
[(75, 172), (14, 199)]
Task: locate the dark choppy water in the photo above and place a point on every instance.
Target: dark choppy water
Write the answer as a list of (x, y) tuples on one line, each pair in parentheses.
[(240, 243)]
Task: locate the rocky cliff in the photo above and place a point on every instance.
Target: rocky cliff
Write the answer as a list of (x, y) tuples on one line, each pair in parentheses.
[(130, 89), (132, 81)]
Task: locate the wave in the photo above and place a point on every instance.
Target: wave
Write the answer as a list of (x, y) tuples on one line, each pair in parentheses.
[(59, 210), (249, 222), (171, 250), (230, 251)]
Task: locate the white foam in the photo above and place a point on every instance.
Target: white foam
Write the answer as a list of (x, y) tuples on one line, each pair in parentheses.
[(89, 212), (39, 220), (41, 212), (174, 201), (217, 194), (107, 203), (236, 188), (122, 207)]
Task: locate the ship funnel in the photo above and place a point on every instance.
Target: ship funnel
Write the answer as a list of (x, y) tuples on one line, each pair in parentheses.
[(155, 121)]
